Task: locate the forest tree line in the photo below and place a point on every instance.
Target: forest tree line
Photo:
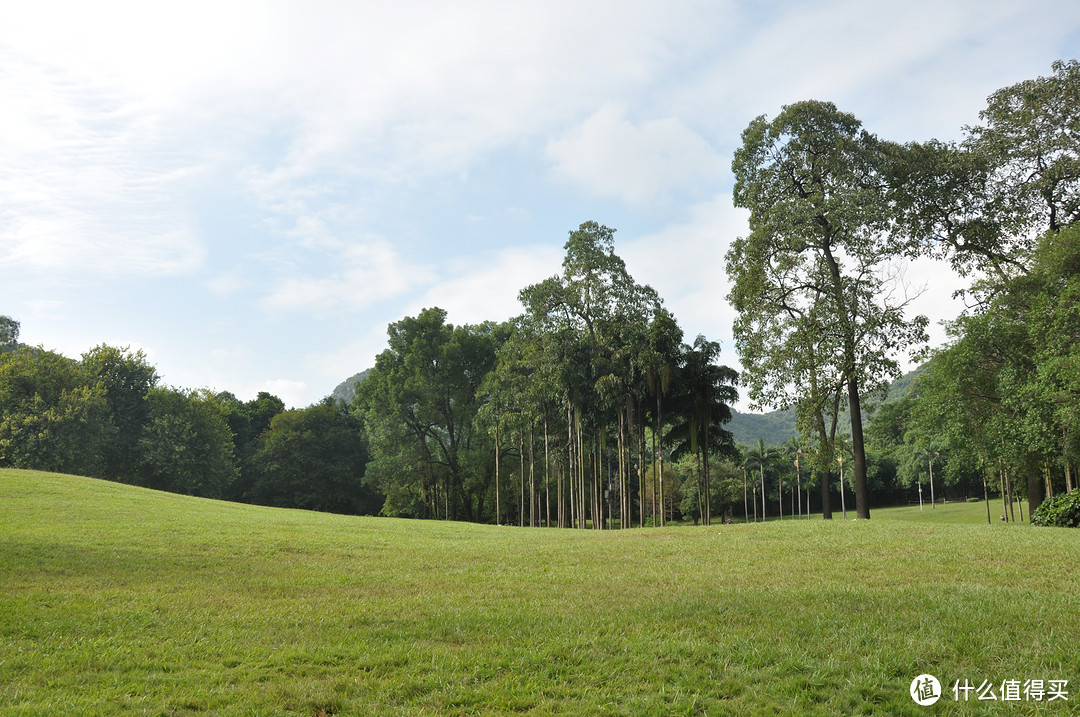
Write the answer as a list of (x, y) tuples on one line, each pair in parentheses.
[(592, 409)]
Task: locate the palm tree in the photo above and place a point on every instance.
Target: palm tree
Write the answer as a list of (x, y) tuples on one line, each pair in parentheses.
[(759, 458), (794, 449)]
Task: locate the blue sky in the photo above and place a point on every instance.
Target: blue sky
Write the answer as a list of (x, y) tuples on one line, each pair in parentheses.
[(250, 192)]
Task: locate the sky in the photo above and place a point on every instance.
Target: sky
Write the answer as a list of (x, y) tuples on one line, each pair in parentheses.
[(250, 192)]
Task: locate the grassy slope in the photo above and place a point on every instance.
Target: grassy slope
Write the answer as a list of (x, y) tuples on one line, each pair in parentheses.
[(117, 600)]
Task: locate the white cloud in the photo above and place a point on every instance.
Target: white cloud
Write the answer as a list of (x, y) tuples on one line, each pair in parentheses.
[(371, 272), (684, 262), (294, 394), (611, 157), (83, 192), (486, 287)]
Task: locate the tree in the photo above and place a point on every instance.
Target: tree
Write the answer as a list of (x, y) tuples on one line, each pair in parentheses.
[(813, 271), (127, 377), (982, 203), (843, 450), (419, 404), (930, 455), (701, 406), (761, 458), (595, 321), (186, 446), (53, 416), (795, 451), (314, 458), (248, 421), (9, 334)]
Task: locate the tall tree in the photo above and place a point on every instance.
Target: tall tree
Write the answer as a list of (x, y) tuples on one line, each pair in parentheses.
[(9, 334), (127, 378), (419, 404), (819, 247)]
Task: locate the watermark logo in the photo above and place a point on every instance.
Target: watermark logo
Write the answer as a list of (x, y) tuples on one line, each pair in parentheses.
[(925, 690)]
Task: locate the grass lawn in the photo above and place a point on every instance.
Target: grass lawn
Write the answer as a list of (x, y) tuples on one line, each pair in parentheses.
[(117, 600)]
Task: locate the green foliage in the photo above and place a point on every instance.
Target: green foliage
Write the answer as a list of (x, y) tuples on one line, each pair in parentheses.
[(819, 324), (53, 416), (9, 334), (126, 377), (186, 445), (419, 404), (1062, 511), (314, 458)]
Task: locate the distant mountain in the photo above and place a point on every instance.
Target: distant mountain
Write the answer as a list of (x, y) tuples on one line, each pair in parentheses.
[(778, 426), (346, 390), (775, 427)]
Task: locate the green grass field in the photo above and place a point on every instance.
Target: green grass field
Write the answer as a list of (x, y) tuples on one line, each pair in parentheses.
[(116, 600)]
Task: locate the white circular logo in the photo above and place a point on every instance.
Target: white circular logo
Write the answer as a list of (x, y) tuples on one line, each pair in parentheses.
[(925, 690)]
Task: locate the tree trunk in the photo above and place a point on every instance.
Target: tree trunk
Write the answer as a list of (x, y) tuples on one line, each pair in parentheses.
[(858, 448), (547, 475), (745, 505), (521, 474), (532, 479), (497, 503), (1004, 496), (930, 461), (1035, 493), (826, 496), (762, 471), (843, 505)]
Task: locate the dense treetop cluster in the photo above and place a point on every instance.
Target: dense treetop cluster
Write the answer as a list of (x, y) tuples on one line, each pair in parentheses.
[(590, 409)]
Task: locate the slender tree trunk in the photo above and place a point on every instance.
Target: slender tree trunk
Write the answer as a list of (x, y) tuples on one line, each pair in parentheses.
[(497, 503), (930, 461), (660, 454), (547, 475), (1004, 496), (1008, 485), (843, 505), (571, 469), (798, 487), (1035, 492), (1049, 485), (521, 474), (1065, 459), (762, 470), (532, 478), (641, 472), (986, 497), (746, 507)]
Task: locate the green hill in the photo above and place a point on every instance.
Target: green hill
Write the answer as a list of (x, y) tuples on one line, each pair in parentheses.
[(118, 600), (776, 427)]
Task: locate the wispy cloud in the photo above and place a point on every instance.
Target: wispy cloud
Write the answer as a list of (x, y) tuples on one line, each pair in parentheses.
[(486, 287), (80, 197), (369, 272), (610, 156)]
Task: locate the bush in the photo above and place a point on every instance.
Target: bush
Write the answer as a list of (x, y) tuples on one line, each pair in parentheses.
[(1062, 511)]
